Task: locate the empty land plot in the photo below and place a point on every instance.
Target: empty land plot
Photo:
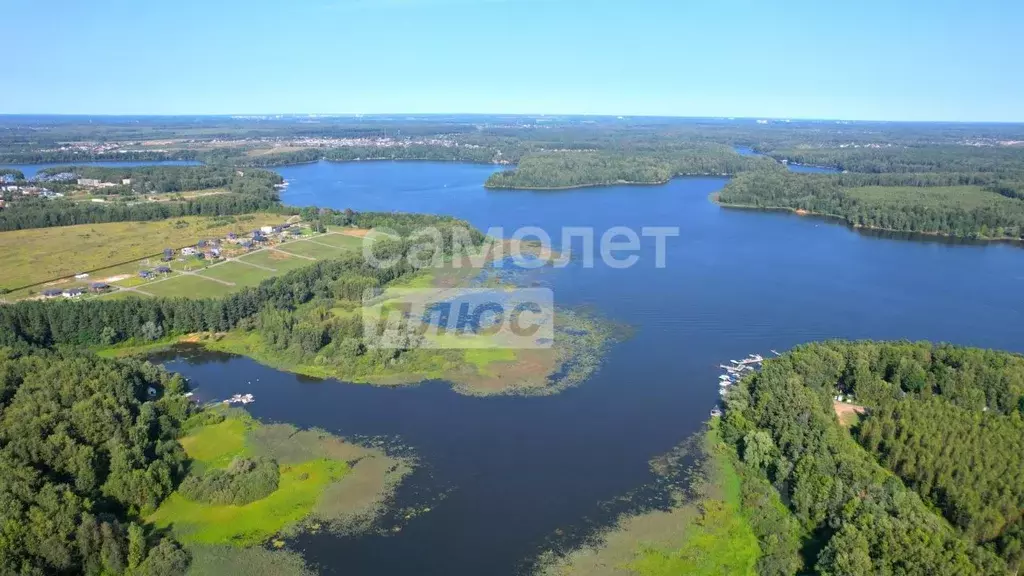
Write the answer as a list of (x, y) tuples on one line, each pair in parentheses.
[(240, 274), (306, 248), (279, 261), (38, 255), (340, 240), (189, 286)]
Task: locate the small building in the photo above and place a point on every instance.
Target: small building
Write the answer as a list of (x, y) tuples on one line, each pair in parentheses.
[(73, 292), (215, 252), (188, 251), (245, 243), (201, 244), (145, 274), (267, 229), (126, 181), (97, 200), (52, 293), (168, 255), (162, 270), (99, 287), (88, 182), (232, 236)]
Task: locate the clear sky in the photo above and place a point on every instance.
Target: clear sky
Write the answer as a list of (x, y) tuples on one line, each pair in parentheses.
[(855, 59)]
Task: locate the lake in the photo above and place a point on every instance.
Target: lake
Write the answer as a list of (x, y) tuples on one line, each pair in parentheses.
[(30, 170), (503, 475)]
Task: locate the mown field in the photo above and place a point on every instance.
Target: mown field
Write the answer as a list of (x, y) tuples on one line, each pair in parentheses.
[(39, 255)]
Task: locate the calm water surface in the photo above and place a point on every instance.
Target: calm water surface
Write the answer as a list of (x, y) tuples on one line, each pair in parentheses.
[(516, 470), (30, 170)]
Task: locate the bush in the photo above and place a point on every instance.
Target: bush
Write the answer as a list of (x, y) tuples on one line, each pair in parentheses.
[(244, 481)]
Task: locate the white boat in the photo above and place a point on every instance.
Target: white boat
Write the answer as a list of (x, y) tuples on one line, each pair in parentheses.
[(724, 377), (725, 383), (715, 412)]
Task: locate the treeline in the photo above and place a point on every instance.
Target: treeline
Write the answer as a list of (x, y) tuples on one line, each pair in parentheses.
[(569, 169), (17, 174), (165, 179), (43, 213), (918, 210), (87, 449), (438, 153), (107, 321), (71, 156), (903, 159), (858, 517)]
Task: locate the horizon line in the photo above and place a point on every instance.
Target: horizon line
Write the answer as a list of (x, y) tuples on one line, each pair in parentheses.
[(243, 115)]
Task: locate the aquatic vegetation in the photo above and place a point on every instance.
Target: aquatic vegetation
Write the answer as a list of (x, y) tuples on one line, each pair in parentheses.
[(704, 531), (321, 479)]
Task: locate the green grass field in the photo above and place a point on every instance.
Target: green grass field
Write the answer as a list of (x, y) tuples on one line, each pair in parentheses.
[(340, 241), (240, 274), (279, 261), (188, 286), (307, 248), (34, 256)]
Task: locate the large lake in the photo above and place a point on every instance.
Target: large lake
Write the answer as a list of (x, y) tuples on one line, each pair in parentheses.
[(504, 475)]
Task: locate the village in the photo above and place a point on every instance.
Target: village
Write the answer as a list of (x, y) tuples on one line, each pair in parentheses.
[(210, 267)]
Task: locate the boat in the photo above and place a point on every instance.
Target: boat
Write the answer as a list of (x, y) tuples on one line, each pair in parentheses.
[(725, 383), (715, 412), (724, 377)]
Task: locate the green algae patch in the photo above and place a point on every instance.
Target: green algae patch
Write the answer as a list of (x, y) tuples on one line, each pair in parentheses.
[(251, 524), (324, 480)]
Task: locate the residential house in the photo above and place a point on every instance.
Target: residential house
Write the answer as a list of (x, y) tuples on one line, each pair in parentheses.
[(99, 287), (145, 274), (267, 229), (162, 270), (52, 293), (93, 182), (73, 292), (126, 181), (168, 255), (188, 251)]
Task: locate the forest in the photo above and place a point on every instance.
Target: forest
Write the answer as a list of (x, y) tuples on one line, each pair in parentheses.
[(961, 205), (569, 169), (88, 446), (165, 179), (865, 498)]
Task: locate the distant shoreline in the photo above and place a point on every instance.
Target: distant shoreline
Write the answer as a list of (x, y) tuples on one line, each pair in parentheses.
[(714, 198)]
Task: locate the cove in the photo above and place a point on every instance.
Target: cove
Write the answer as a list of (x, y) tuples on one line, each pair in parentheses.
[(502, 475)]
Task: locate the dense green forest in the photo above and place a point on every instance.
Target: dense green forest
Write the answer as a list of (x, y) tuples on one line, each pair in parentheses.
[(164, 179), (87, 446), (568, 169), (946, 420), (899, 159), (16, 174), (937, 204), (108, 321), (43, 213)]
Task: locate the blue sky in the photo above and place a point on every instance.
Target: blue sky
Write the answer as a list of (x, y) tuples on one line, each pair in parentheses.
[(864, 59)]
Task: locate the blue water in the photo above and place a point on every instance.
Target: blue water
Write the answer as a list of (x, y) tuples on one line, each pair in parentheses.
[(518, 470), (30, 170)]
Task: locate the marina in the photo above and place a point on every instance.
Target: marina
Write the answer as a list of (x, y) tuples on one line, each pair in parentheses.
[(240, 399), (733, 372)]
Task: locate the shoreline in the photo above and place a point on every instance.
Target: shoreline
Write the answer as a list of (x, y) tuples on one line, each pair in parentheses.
[(714, 198), (606, 184)]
